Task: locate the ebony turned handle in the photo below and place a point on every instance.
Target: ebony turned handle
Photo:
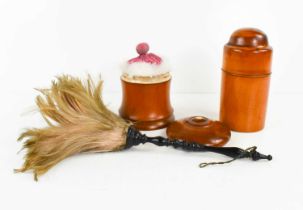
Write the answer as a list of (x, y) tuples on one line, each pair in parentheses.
[(134, 137)]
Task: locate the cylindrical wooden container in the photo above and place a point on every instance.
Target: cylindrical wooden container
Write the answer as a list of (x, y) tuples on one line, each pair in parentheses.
[(245, 80), (147, 105)]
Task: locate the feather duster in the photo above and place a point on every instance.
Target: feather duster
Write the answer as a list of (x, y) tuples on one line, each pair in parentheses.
[(78, 121)]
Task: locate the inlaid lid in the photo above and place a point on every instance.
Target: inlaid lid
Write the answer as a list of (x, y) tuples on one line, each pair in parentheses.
[(200, 130)]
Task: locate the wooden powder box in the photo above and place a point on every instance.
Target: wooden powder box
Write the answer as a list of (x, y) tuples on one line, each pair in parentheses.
[(146, 91)]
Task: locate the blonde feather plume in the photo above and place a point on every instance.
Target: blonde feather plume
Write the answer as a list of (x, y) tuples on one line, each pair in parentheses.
[(78, 121)]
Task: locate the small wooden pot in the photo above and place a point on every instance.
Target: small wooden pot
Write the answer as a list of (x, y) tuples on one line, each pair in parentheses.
[(147, 104), (245, 80)]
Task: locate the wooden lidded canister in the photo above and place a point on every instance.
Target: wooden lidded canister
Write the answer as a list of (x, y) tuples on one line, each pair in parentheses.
[(146, 91), (245, 80)]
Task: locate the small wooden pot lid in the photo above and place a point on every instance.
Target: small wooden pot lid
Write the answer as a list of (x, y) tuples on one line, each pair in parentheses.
[(200, 130)]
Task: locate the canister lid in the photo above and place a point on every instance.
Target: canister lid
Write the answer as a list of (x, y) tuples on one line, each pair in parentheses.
[(200, 130), (248, 37), (247, 53)]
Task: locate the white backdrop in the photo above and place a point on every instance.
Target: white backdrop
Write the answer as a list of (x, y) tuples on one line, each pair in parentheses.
[(43, 38), (40, 39)]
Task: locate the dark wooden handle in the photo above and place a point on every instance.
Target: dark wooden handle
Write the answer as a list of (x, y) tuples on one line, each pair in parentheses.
[(134, 137)]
